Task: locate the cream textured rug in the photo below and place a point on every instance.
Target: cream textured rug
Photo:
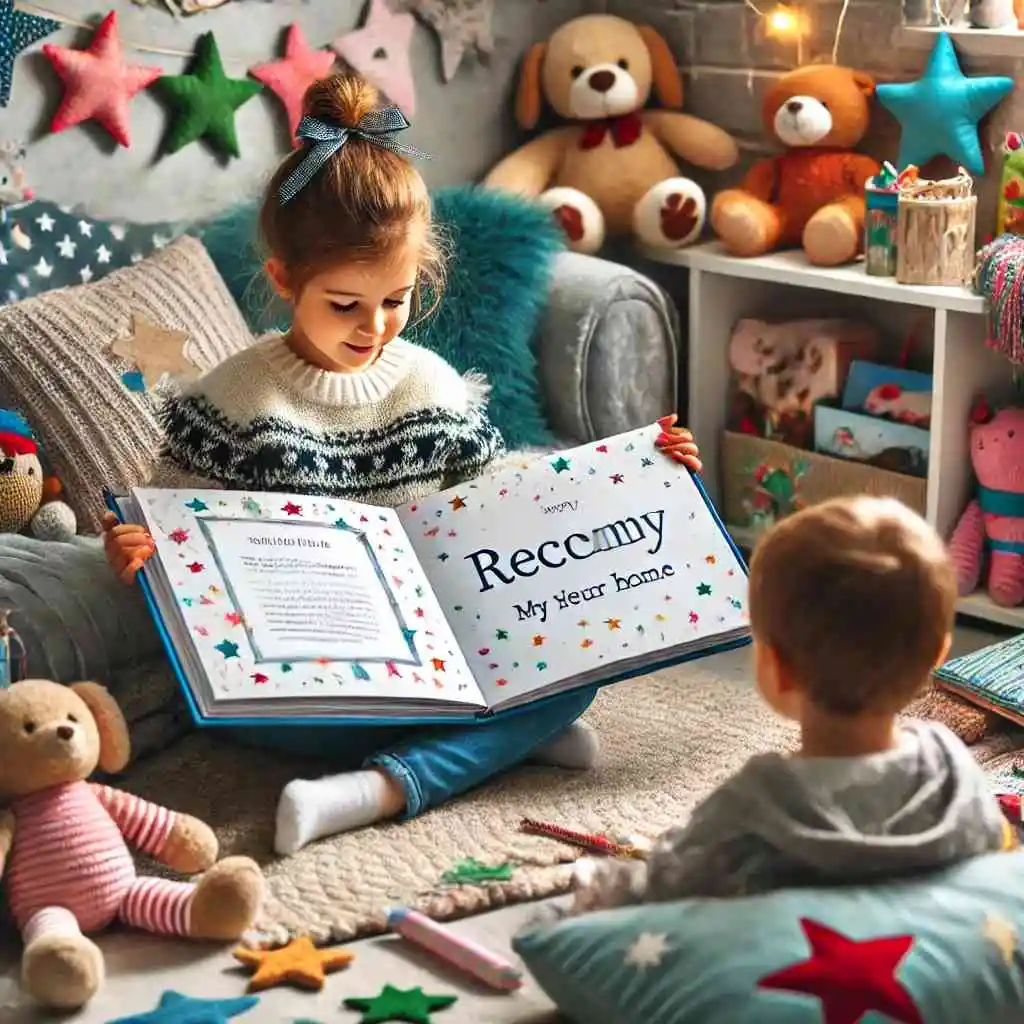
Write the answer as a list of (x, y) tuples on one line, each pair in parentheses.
[(667, 740)]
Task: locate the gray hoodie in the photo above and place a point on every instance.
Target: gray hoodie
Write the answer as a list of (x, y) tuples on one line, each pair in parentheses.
[(785, 821)]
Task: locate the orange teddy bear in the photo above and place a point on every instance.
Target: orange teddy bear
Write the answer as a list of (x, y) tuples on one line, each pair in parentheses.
[(813, 193)]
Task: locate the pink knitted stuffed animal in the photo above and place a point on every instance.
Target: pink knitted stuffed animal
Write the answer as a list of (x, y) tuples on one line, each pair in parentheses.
[(64, 840), (993, 523)]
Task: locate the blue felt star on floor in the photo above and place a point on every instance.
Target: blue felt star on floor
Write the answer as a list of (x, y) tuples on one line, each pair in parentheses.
[(175, 1008), (939, 113)]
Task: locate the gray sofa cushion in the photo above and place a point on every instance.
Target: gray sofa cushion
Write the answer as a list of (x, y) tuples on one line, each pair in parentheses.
[(76, 619), (609, 357)]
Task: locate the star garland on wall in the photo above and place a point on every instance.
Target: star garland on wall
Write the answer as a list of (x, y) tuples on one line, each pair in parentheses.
[(460, 25), (99, 84), (205, 101)]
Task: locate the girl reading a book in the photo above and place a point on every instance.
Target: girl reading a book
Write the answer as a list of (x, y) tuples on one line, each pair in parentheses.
[(341, 406)]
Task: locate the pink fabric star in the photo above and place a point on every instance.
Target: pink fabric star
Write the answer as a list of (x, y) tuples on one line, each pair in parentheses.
[(290, 77), (98, 85), (379, 51)]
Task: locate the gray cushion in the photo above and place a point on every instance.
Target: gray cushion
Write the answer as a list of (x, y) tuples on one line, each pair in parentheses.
[(609, 349), (75, 617)]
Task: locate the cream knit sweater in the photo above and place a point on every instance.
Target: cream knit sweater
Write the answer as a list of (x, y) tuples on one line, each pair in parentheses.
[(265, 420)]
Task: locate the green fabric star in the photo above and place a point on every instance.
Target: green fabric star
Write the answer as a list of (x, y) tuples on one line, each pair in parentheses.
[(560, 465), (412, 1005), (206, 101), (472, 872), (704, 589)]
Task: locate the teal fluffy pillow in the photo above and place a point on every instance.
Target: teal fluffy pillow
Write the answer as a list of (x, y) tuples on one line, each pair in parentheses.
[(500, 271), (944, 949), (499, 274)]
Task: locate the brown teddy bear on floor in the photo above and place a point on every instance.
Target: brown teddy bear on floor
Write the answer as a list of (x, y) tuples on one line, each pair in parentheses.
[(64, 844), (813, 193), (614, 170)]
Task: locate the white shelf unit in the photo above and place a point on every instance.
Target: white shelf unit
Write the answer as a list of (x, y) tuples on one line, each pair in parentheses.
[(723, 288)]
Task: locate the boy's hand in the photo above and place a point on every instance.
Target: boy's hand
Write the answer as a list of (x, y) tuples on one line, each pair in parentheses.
[(128, 546), (678, 444)]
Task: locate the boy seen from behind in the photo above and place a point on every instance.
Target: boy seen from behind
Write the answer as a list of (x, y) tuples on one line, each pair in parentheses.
[(852, 605)]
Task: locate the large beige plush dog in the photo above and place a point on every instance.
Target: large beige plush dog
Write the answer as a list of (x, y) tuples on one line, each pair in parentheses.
[(613, 170)]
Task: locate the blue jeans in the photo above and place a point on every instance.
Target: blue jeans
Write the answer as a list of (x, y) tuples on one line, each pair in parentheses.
[(432, 764)]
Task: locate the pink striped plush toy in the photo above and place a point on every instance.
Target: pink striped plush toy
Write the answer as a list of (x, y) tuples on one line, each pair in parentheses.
[(64, 844)]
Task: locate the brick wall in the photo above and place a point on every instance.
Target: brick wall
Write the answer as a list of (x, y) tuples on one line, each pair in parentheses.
[(728, 63)]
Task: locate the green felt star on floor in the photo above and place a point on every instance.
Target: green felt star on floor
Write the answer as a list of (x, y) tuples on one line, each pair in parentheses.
[(205, 101), (394, 1004), (560, 465), (472, 872)]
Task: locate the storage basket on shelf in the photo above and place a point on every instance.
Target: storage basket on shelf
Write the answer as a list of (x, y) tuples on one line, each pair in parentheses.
[(765, 480), (935, 229)]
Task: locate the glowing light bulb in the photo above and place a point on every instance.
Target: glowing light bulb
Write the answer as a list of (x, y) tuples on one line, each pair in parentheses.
[(785, 22)]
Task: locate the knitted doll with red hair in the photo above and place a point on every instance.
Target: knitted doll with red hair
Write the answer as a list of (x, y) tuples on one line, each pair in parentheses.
[(28, 499)]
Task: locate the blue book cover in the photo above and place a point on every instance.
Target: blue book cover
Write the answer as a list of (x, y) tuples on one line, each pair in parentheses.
[(579, 568)]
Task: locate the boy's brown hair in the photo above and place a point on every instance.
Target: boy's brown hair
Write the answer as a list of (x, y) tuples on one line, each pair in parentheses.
[(360, 205), (856, 597)]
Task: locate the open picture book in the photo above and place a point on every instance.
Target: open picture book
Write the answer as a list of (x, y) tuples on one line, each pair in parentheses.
[(579, 568)]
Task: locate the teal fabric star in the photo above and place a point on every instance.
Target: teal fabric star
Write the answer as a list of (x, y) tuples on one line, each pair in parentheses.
[(560, 465), (18, 31), (939, 113), (197, 505), (174, 1008)]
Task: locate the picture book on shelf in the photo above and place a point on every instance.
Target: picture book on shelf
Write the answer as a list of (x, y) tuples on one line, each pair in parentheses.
[(578, 568)]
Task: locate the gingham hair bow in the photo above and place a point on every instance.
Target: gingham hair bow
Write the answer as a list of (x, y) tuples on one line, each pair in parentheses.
[(323, 139)]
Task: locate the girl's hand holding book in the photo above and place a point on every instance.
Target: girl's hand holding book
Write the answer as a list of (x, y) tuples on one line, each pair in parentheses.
[(128, 546), (678, 444)]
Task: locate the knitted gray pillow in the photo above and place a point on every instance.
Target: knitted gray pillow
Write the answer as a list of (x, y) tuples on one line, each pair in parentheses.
[(88, 394)]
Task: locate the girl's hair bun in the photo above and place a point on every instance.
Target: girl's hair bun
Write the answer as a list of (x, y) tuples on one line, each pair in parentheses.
[(340, 99)]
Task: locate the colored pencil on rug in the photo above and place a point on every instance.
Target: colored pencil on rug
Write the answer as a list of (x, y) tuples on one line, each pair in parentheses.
[(592, 843), (464, 954)]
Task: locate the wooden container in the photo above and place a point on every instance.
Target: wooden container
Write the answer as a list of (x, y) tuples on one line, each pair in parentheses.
[(766, 480), (935, 231)]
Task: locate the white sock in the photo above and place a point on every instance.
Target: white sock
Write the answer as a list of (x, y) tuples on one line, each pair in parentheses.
[(576, 747), (313, 808)]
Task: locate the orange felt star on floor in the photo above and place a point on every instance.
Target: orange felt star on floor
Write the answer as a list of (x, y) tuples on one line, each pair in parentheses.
[(98, 85), (299, 963), (290, 77)]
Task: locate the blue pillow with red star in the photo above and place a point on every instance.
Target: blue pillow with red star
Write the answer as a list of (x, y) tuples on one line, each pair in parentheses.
[(940, 949), (44, 245)]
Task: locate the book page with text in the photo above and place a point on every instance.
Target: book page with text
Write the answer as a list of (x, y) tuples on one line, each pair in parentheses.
[(574, 562), (289, 597)]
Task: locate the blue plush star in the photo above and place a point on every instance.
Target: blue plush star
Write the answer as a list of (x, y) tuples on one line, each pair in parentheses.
[(939, 113), (18, 31), (174, 1008)]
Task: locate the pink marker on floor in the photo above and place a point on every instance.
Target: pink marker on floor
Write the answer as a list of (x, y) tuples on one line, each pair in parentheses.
[(462, 953)]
